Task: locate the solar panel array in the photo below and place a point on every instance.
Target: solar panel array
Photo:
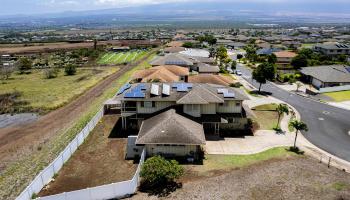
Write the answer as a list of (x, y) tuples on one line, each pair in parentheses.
[(123, 88), (166, 89), (137, 92), (155, 89), (182, 87), (226, 93), (175, 62)]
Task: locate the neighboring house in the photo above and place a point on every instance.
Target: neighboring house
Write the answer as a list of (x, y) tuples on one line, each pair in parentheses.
[(120, 49), (166, 73), (173, 59), (173, 49), (332, 49), (215, 108), (203, 68), (236, 45), (195, 53), (327, 76), (194, 63), (266, 51), (211, 78), (284, 58)]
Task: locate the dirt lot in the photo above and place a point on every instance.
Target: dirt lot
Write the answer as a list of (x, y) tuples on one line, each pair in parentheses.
[(100, 160), (295, 178), (21, 142), (51, 47)]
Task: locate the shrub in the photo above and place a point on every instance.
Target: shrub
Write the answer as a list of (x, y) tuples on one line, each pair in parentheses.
[(51, 73), (157, 171), (24, 65), (70, 70), (236, 85)]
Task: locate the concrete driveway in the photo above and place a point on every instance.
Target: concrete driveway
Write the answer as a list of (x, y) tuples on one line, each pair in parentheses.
[(263, 140)]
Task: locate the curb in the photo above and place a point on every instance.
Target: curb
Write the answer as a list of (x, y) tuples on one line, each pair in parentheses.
[(311, 149)]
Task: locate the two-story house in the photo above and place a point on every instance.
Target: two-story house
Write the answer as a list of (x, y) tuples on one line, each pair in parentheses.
[(207, 107), (332, 49)]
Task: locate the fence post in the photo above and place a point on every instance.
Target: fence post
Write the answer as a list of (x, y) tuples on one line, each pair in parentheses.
[(329, 162)]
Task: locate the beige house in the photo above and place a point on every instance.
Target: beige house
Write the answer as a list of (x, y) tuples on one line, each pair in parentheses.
[(207, 107), (284, 59)]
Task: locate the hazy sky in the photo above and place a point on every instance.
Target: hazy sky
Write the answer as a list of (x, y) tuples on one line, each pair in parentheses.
[(9, 7)]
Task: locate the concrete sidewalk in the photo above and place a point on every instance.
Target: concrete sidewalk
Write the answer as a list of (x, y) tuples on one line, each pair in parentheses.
[(267, 139)]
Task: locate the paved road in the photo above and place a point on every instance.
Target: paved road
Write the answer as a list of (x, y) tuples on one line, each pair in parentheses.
[(329, 127)]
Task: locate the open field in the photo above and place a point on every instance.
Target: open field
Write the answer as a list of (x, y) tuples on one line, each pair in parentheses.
[(99, 160), (26, 150), (47, 94), (266, 116), (120, 58), (339, 96), (297, 177), (52, 47)]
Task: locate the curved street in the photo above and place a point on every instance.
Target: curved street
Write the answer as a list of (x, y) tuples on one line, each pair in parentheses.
[(329, 126)]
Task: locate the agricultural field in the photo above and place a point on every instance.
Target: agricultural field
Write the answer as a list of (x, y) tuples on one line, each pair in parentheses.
[(121, 58), (39, 94)]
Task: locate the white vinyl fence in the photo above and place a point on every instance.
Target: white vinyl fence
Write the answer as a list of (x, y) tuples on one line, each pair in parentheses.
[(334, 89), (109, 191), (45, 176)]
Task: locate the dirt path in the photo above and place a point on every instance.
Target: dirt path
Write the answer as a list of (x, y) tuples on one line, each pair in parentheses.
[(18, 141)]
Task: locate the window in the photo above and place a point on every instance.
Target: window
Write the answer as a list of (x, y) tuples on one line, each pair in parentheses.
[(192, 107), (238, 103), (225, 104), (148, 104)]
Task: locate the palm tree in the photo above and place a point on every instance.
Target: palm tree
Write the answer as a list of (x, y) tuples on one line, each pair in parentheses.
[(298, 126), (281, 108)]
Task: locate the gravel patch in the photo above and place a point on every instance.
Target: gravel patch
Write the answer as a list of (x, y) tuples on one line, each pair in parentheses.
[(17, 119)]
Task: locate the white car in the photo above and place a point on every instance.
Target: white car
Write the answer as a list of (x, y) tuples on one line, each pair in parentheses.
[(239, 73)]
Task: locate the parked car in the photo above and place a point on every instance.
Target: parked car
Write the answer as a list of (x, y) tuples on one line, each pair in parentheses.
[(239, 73)]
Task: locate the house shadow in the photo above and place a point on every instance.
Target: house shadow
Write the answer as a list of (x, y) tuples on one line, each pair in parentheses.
[(119, 132), (161, 189), (262, 93)]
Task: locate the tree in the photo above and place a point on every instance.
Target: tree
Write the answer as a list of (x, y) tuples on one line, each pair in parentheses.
[(70, 70), (272, 59), (5, 72), (264, 72), (221, 53), (233, 65), (299, 61), (212, 52), (95, 44), (298, 126), (24, 65), (157, 171), (239, 56), (281, 108), (188, 45)]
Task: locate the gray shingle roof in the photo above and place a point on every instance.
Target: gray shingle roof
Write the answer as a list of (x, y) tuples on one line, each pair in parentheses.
[(332, 73), (170, 128), (172, 59), (200, 95), (175, 95), (205, 68)]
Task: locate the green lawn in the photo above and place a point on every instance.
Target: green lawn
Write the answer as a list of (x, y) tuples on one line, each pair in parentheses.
[(227, 162), (339, 96), (120, 58), (47, 94), (266, 116)]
